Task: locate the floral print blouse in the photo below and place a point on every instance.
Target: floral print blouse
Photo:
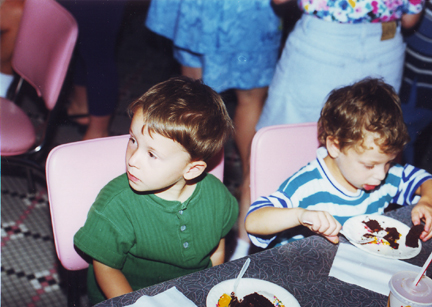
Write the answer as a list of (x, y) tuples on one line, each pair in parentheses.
[(360, 11)]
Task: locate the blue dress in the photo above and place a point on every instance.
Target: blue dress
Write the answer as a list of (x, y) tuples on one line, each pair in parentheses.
[(235, 43)]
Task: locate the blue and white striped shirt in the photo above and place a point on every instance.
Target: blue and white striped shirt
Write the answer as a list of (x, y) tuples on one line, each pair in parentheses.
[(313, 187)]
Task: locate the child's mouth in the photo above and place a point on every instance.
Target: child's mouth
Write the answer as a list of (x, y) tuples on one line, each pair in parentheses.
[(369, 187), (132, 177)]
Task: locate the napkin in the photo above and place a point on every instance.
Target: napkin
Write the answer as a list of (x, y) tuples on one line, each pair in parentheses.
[(355, 266), (170, 297)]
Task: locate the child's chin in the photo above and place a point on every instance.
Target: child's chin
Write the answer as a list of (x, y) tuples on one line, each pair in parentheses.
[(135, 187)]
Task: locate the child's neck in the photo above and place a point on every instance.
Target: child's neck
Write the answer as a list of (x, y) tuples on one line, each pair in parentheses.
[(180, 191), (337, 175)]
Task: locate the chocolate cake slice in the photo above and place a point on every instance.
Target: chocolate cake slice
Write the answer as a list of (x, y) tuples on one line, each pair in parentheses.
[(373, 225), (414, 235), (392, 236), (251, 300)]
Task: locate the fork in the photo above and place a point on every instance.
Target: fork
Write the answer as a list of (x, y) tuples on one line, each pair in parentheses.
[(362, 241), (351, 239)]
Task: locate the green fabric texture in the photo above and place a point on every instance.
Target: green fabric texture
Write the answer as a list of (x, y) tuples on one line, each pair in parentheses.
[(152, 240)]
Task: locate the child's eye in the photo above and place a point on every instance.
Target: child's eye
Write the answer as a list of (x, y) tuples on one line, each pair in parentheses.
[(132, 140), (151, 155), (369, 166)]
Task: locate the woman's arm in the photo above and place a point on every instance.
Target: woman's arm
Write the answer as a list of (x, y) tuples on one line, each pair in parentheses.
[(410, 20), (218, 256), (112, 281)]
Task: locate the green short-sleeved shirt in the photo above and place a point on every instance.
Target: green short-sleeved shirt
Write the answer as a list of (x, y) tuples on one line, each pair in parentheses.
[(150, 239)]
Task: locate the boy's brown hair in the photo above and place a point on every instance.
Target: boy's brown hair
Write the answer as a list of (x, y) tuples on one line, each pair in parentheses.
[(188, 112), (369, 105)]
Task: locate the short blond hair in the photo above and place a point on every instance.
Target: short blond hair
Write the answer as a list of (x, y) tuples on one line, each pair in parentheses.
[(188, 112)]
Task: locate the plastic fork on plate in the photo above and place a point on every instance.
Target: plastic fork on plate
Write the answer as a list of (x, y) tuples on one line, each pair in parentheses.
[(362, 241), (351, 239)]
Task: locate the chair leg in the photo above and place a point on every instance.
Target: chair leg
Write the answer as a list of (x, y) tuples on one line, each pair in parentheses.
[(73, 289), (30, 166), (30, 182)]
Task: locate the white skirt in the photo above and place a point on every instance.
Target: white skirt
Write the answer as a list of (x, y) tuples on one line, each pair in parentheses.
[(320, 56)]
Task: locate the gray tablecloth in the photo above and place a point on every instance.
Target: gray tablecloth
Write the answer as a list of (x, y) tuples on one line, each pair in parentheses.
[(300, 267)]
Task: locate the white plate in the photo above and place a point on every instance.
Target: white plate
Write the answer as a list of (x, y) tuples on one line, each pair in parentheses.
[(248, 286), (356, 228)]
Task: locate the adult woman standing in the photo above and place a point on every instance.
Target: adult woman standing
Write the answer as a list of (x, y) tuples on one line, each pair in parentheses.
[(336, 43), (94, 95)]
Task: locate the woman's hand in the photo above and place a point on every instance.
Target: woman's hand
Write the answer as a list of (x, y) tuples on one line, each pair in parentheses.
[(408, 21)]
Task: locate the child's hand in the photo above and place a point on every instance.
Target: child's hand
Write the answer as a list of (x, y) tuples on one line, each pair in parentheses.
[(322, 223), (423, 212)]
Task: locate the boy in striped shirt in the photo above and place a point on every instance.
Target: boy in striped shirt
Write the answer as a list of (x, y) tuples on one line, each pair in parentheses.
[(361, 132)]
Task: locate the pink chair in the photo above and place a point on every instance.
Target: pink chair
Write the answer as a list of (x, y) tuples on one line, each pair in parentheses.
[(43, 49), (277, 152), (75, 173)]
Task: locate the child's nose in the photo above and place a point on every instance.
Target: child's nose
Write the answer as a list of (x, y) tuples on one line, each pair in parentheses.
[(381, 172), (132, 160)]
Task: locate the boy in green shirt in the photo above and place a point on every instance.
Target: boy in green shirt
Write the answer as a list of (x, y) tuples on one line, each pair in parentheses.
[(165, 217)]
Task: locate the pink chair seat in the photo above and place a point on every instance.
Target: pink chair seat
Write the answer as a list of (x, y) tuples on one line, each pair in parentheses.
[(17, 131)]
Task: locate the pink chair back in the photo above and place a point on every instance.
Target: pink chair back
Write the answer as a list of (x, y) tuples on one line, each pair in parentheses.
[(16, 130), (43, 49), (75, 174), (277, 152), (44, 46)]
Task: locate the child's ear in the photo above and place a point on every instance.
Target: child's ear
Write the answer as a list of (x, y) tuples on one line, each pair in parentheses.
[(195, 169), (332, 146)]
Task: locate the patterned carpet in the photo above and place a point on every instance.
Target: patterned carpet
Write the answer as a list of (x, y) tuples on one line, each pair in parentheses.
[(30, 275)]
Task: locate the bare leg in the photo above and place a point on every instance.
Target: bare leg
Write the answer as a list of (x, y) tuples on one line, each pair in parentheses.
[(10, 18), (248, 111), (192, 72), (98, 127), (78, 104)]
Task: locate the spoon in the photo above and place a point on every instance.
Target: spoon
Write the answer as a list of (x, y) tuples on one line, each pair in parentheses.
[(240, 275), (363, 241)]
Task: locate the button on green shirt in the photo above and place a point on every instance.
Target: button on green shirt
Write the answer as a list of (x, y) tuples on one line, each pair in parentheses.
[(152, 240)]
